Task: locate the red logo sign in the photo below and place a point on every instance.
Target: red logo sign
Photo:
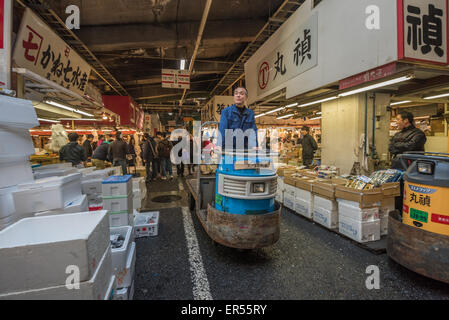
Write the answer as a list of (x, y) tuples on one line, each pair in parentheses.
[(264, 75), (32, 45)]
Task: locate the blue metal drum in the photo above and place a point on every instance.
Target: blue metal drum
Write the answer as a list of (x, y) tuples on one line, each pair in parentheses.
[(246, 184)]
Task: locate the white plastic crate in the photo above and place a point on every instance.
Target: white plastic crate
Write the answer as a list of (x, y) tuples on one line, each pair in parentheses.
[(17, 113), (146, 224), (96, 288), (327, 218), (15, 142), (120, 255), (330, 205), (384, 225), (7, 207), (78, 205), (47, 194), (126, 277), (14, 171), (91, 186), (42, 174), (359, 231), (356, 213), (289, 201), (304, 208), (118, 203), (40, 249), (119, 219), (117, 186)]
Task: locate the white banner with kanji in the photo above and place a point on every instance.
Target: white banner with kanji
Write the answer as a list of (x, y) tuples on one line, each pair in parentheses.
[(43, 52)]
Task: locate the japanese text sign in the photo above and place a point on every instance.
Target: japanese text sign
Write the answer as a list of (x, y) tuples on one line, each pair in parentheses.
[(43, 52), (423, 31), (294, 56), (176, 79)]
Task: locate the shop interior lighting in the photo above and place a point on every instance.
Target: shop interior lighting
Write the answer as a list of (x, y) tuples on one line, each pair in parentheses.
[(319, 113), (84, 113), (183, 64), (275, 110), (316, 102), (401, 102), (438, 96), (291, 105), (286, 116), (260, 115), (69, 119), (62, 106), (316, 118), (378, 85), (47, 120)]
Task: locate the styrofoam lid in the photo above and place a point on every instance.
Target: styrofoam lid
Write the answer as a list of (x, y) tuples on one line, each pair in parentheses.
[(51, 229), (66, 165), (50, 182), (17, 113), (117, 179)]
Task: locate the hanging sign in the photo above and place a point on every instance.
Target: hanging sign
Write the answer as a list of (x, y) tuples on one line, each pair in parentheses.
[(43, 52), (175, 79)]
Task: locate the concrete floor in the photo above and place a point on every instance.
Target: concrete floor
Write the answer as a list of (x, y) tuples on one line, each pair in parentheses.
[(308, 262)]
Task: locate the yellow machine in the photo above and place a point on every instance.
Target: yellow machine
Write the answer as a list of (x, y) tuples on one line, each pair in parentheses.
[(426, 193)]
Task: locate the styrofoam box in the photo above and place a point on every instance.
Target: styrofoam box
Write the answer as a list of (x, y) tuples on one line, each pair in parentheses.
[(384, 225), (17, 113), (137, 199), (7, 207), (112, 288), (147, 230), (56, 166), (304, 208), (121, 294), (98, 174), (281, 183), (279, 196), (14, 171), (91, 186), (289, 200), (356, 213), (304, 195), (118, 203), (15, 142), (42, 174), (290, 189), (47, 194), (78, 205), (330, 205), (386, 206), (119, 219), (139, 184), (117, 186), (359, 231), (96, 288), (131, 291), (39, 249), (125, 278), (86, 171), (120, 255), (96, 198), (327, 218)]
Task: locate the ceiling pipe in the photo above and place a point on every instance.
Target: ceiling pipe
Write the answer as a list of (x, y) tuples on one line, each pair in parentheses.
[(198, 41)]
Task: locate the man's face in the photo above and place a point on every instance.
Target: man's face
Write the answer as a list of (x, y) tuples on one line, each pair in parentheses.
[(304, 132), (240, 96), (402, 123)]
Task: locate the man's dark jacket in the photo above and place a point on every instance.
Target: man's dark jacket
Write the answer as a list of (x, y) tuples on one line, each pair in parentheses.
[(309, 146), (72, 152), (147, 152), (87, 146), (409, 139), (118, 150), (101, 153)]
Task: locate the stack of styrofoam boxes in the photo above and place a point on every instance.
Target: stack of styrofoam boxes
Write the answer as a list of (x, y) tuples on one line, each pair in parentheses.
[(359, 223), (280, 190), (387, 205), (325, 212), (304, 197), (16, 145), (124, 262), (54, 170), (139, 192), (289, 192), (61, 257), (146, 224), (91, 186), (49, 195), (118, 200)]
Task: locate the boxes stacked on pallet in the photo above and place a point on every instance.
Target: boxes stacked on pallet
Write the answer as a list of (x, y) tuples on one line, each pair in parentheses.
[(47, 257), (359, 224), (386, 206), (289, 196), (123, 259), (325, 212), (118, 200), (139, 192), (304, 197), (146, 224), (16, 145)]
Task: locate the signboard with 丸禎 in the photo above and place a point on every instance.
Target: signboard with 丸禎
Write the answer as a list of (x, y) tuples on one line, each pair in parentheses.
[(43, 52), (291, 58), (423, 31)]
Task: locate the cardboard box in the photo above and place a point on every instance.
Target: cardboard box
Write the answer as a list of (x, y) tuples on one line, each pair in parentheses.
[(305, 183), (365, 198), (352, 210), (289, 180), (392, 189), (324, 188), (39, 249)]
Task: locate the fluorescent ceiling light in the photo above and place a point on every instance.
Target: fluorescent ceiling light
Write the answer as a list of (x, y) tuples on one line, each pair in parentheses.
[(319, 101), (401, 102), (275, 110), (316, 118), (183, 64), (286, 116), (438, 96), (84, 113), (260, 115), (378, 85), (291, 105), (319, 113), (69, 119), (46, 120), (59, 105)]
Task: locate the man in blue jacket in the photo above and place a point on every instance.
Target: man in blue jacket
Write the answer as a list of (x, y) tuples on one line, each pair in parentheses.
[(235, 117)]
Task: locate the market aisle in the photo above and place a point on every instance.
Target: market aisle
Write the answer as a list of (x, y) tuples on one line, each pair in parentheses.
[(308, 262)]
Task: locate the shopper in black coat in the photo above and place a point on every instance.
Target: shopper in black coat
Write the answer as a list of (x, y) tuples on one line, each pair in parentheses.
[(87, 146), (150, 156), (309, 146)]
